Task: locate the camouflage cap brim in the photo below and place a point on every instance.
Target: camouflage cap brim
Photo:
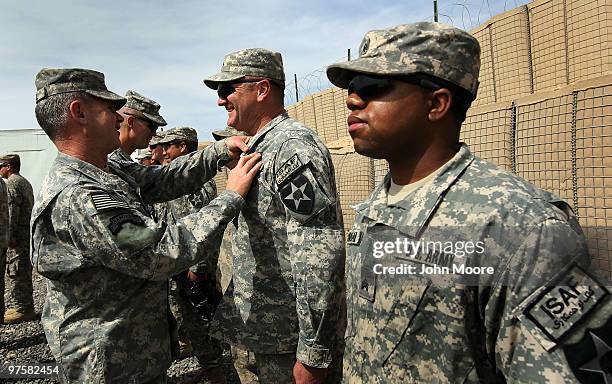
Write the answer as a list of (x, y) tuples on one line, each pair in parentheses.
[(227, 132), (341, 74), (118, 100), (157, 119), (221, 77)]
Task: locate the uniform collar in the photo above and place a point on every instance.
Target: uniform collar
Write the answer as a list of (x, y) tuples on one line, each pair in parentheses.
[(410, 214), (87, 170), (121, 154), (259, 136)]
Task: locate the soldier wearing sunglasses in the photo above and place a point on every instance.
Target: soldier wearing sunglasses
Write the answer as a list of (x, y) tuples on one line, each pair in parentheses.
[(457, 271), (285, 299)]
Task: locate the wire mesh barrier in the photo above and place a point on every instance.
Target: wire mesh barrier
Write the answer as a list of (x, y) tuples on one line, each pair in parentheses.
[(544, 112)]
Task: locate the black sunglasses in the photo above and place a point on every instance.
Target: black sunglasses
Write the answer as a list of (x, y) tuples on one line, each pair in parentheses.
[(226, 89), (369, 87)]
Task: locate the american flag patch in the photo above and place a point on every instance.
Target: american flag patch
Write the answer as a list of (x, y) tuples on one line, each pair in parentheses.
[(104, 202)]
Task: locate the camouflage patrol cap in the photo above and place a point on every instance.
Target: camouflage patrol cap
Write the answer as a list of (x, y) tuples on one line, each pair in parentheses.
[(227, 132), (143, 154), (435, 49), (179, 134), (157, 137), (10, 158), (148, 107), (256, 62), (53, 81)]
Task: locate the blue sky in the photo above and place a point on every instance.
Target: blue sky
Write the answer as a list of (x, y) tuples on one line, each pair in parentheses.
[(164, 49)]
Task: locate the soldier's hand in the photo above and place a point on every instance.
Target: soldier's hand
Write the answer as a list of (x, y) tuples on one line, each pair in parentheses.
[(303, 374), (240, 178), (236, 145)]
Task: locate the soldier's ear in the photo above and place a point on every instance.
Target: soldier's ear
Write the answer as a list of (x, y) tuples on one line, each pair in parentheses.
[(129, 119), (439, 104), (264, 88), (77, 111)]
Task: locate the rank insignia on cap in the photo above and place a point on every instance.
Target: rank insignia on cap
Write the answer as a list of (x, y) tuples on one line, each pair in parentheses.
[(104, 202), (591, 358), (365, 44), (298, 195)]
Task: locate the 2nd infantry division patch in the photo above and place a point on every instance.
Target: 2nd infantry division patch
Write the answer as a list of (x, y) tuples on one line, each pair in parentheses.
[(298, 195), (591, 357)]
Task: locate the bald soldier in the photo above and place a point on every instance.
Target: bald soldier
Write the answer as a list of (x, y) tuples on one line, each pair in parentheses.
[(457, 271), (285, 302), (18, 266), (105, 260)]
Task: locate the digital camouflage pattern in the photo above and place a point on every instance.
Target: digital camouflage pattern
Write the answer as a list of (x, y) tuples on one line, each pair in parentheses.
[(149, 108), (255, 62), (227, 132), (287, 289), (514, 325), (179, 134), (191, 326), (143, 154), (19, 268), (4, 238), (184, 175), (53, 81), (159, 135), (436, 49), (4, 216), (186, 205), (107, 265)]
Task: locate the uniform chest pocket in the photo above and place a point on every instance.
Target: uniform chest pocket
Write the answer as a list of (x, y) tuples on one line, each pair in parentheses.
[(384, 322)]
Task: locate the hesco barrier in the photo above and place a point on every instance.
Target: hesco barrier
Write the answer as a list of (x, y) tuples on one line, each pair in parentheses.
[(544, 112)]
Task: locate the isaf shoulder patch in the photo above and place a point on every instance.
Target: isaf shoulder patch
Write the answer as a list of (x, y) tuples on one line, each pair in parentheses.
[(116, 222), (566, 301), (103, 201)]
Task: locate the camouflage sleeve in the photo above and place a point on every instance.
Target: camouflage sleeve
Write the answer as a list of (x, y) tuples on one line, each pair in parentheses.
[(209, 265), (15, 203), (304, 179), (181, 177), (4, 217), (120, 237), (556, 322)]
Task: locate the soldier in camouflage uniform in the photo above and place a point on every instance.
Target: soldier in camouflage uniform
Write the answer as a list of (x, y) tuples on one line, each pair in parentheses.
[(106, 261), (286, 298), (141, 119), (192, 324), (18, 266), (243, 359), (457, 271), (157, 153), (4, 239), (144, 157)]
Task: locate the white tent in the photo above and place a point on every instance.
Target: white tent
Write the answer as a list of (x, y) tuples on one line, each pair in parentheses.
[(34, 148)]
